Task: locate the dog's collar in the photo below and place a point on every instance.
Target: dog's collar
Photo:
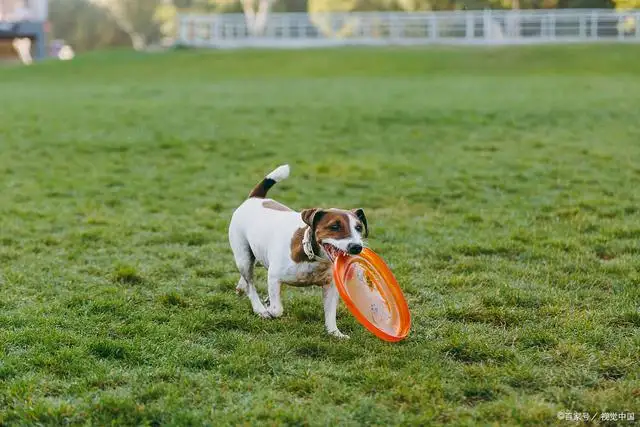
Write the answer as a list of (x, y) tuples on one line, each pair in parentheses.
[(307, 245)]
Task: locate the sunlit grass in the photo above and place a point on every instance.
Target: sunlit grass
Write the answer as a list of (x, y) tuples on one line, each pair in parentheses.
[(502, 187)]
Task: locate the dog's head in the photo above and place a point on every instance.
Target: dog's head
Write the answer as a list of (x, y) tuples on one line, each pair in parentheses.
[(337, 231)]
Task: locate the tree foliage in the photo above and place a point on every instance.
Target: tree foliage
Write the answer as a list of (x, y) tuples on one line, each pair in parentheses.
[(318, 10), (84, 25), (627, 4), (135, 17)]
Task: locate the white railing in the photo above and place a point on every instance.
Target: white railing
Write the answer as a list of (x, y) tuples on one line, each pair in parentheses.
[(405, 28)]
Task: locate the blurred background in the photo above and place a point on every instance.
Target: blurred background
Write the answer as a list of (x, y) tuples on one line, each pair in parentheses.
[(85, 25)]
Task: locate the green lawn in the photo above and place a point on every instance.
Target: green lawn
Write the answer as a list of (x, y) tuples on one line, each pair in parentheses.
[(501, 185)]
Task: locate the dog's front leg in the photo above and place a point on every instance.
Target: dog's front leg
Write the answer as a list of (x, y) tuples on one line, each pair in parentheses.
[(330, 299)]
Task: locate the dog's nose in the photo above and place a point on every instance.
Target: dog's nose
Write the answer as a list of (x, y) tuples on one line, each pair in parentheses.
[(354, 248)]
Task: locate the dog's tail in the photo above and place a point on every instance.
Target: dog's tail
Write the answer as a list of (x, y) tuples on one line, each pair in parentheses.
[(276, 175)]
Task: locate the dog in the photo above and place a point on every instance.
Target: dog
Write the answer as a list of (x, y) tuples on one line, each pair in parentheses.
[(296, 248)]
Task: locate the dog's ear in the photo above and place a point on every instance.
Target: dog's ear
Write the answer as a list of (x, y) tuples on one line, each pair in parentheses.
[(312, 216), (362, 217)]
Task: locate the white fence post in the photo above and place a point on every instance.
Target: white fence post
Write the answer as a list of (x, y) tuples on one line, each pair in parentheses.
[(583, 27), (620, 26), (433, 27), (213, 31), (488, 25), (395, 28), (470, 29)]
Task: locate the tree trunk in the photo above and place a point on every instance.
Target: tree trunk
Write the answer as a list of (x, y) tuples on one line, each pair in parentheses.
[(138, 41), (256, 21), (514, 31)]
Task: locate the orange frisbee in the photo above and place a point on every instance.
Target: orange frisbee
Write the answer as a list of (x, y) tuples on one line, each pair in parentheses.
[(372, 294)]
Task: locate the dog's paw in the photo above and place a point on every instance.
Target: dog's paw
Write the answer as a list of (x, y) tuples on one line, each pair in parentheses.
[(264, 313), (275, 311), (241, 287), (336, 333)]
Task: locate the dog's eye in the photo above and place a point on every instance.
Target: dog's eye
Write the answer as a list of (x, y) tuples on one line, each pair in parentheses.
[(359, 228), (335, 226)]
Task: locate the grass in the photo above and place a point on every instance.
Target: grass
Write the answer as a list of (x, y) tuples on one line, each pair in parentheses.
[(501, 185)]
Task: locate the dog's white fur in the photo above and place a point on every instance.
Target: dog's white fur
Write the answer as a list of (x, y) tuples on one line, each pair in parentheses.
[(280, 173), (257, 233)]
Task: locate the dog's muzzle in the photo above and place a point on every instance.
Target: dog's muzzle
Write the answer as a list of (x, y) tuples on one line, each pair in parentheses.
[(354, 248)]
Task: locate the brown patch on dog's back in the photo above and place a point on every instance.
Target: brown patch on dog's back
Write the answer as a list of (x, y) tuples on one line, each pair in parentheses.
[(272, 204)]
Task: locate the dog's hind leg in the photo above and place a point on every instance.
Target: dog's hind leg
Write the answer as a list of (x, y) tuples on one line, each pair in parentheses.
[(245, 261), (275, 303)]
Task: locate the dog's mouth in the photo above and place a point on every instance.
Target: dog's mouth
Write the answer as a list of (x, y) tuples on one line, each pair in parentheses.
[(332, 252)]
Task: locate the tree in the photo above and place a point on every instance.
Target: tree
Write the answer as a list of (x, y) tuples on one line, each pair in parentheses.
[(135, 17), (627, 4), (255, 12), (84, 25), (256, 19), (293, 6), (319, 13)]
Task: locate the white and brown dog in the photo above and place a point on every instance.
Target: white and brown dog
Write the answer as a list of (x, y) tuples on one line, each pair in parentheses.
[(297, 248)]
